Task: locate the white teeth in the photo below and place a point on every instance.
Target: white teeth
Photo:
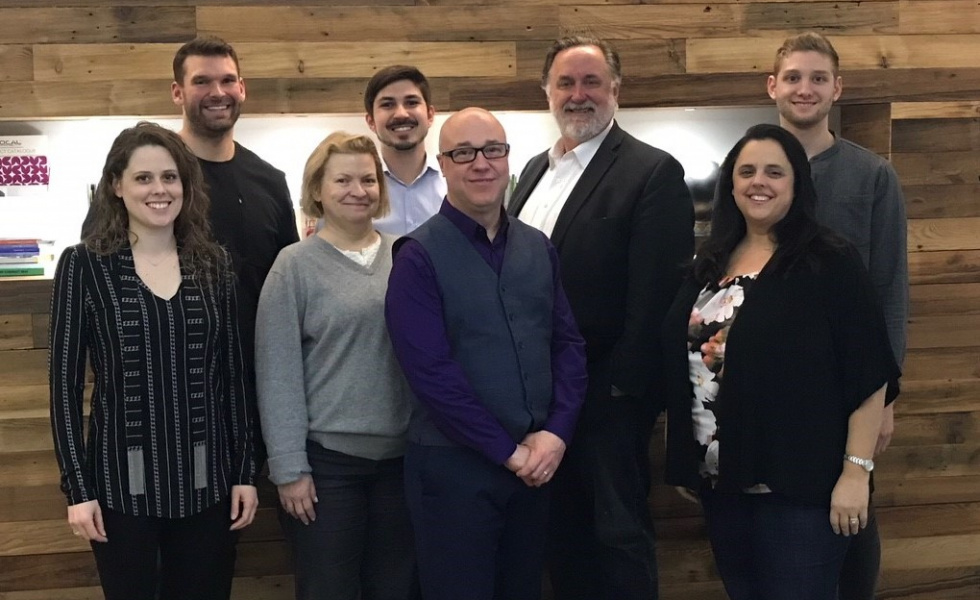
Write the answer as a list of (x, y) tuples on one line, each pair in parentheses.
[(158, 205), (759, 198)]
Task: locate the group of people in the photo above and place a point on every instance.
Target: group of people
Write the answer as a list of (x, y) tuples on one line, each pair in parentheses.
[(454, 395)]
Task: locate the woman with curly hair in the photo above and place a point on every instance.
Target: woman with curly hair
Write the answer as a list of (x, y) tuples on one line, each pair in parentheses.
[(164, 479)]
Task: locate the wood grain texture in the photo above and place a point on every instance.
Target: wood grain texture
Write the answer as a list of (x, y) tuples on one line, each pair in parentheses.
[(911, 88), (944, 234), (944, 331), (935, 396), (95, 62), (938, 16), (868, 125), (942, 363), (355, 24), (932, 168), (937, 135), (738, 54), (944, 267), (16, 332), (93, 24), (651, 21), (942, 201), (935, 110), (829, 18), (16, 62), (951, 299)]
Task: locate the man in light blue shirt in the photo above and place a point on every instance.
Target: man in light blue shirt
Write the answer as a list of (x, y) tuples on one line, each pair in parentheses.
[(400, 112)]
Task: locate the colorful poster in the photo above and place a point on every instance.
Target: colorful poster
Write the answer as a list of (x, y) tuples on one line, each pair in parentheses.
[(24, 165)]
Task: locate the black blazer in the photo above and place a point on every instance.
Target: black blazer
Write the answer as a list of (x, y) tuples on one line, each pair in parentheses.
[(623, 237)]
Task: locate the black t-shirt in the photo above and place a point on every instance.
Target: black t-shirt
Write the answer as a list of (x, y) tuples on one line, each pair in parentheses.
[(252, 217)]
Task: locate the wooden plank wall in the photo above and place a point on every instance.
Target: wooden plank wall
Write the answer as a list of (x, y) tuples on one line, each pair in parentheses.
[(911, 91)]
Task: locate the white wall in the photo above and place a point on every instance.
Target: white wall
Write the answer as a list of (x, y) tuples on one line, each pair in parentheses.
[(77, 149)]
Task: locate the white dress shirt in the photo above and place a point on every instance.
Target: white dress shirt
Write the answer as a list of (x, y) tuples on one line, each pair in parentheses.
[(556, 184)]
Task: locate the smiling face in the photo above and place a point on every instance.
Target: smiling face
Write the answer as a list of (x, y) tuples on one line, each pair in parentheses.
[(350, 192), (210, 95), (400, 116), (582, 94), (762, 184), (805, 88), (151, 189), (475, 188)]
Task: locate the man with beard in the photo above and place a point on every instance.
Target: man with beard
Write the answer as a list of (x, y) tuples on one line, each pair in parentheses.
[(251, 211), (860, 198), (400, 112), (622, 219)]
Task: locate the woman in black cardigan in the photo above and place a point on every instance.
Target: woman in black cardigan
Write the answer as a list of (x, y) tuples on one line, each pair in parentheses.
[(777, 363)]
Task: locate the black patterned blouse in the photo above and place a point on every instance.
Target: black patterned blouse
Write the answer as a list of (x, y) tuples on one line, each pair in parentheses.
[(169, 431)]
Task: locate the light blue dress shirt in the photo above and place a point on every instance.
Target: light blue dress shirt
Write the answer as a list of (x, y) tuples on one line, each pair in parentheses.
[(412, 204)]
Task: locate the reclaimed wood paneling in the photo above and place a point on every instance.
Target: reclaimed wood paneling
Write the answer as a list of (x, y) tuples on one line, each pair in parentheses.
[(738, 54), (354, 24), (16, 62), (953, 200), (911, 84), (936, 168), (938, 16), (16, 332), (94, 62), (944, 234), (868, 125), (944, 267), (96, 25), (938, 135), (935, 110), (653, 21)]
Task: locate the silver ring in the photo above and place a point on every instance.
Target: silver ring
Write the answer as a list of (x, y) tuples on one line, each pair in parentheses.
[(854, 520), (545, 473)]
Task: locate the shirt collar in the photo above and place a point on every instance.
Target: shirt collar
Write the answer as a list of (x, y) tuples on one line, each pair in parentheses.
[(470, 228), (431, 166), (584, 152)]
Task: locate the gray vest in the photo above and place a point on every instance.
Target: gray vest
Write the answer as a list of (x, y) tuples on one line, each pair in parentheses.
[(499, 328)]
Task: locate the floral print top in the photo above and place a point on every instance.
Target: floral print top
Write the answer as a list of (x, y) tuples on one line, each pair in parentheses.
[(707, 330)]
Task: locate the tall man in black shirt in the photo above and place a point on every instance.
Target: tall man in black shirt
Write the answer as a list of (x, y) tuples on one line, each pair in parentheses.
[(251, 211)]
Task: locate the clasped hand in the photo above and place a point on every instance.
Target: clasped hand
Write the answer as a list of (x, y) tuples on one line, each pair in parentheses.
[(537, 458)]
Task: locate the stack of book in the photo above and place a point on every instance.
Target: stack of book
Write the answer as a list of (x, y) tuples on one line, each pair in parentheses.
[(20, 258)]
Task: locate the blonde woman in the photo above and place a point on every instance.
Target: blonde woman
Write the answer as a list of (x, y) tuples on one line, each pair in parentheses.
[(332, 399)]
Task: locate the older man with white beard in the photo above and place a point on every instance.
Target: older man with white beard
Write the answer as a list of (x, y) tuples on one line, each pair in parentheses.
[(621, 217)]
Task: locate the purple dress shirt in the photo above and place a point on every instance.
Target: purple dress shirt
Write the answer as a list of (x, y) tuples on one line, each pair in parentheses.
[(413, 309)]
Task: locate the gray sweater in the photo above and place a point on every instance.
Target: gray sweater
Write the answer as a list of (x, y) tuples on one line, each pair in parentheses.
[(859, 197), (325, 369)]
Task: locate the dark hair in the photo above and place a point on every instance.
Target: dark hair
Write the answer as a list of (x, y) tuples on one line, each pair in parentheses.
[(610, 54), (793, 234), (389, 75), (809, 41), (107, 225), (202, 46)]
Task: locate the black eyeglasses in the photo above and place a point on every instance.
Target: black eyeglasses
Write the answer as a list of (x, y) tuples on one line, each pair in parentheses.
[(464, 155)]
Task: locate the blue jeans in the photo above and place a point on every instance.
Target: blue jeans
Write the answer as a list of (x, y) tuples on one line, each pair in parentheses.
[(768, 547), (360, 545)]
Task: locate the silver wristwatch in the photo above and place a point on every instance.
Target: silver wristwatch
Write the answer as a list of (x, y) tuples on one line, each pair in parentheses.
[(865, 463)]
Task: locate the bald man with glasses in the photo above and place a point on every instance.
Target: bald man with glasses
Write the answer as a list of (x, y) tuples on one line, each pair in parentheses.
[(483, 330)]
